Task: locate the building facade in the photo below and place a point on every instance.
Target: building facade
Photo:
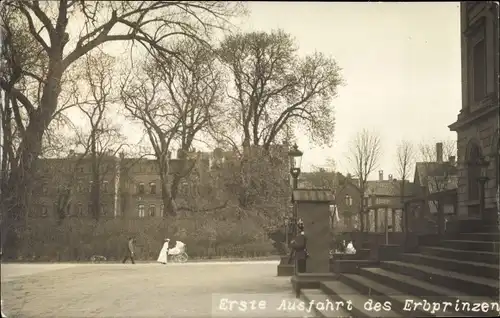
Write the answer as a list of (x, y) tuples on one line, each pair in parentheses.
[(436, 177), (130, 187), (477, 124)]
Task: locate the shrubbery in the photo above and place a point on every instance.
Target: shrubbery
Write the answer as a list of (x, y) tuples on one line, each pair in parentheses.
[(79, 239)]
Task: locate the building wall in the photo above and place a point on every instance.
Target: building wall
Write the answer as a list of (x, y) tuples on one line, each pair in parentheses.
[(124, 179), (54, 176), (477, 121)]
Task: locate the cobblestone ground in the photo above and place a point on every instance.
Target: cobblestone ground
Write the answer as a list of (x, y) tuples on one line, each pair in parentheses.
[(141, 290)]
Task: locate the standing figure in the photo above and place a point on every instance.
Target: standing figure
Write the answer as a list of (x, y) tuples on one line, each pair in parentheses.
[(299, 246), (162, 258), (130, 251)]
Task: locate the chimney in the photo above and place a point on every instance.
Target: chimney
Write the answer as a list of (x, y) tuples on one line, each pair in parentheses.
[(390, 177), (71, 152), (451, 160), (439, 152), (381, 175)]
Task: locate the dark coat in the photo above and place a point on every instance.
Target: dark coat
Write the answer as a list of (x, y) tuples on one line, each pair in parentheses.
[(131, 247), (299, 245)]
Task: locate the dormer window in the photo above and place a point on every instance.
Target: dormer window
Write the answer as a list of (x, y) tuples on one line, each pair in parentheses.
[(152, 187)]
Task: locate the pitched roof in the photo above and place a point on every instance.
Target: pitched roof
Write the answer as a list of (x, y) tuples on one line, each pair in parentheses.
[(424, 170), (313, 195)]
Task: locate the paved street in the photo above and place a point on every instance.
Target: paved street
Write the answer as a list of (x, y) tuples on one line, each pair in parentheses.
[(141, 290)]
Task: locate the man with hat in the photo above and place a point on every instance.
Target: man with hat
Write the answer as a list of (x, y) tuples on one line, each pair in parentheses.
[(299, 246)]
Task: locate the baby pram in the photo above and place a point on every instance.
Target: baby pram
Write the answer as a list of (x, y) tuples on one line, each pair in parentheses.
[(178, 253)]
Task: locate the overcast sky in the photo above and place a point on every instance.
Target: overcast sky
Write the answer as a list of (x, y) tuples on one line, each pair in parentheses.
[(401, 62)]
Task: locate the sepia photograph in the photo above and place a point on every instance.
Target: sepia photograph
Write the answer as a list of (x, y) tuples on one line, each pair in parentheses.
[(249, 159)]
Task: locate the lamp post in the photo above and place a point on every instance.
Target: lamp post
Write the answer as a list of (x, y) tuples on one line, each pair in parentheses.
[(295, 156), (482, 179), (288, 218)]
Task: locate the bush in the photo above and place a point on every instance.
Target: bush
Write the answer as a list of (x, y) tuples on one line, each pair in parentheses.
[(78, 239)]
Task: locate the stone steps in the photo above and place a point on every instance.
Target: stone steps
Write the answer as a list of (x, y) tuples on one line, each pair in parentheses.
[(466, 267), (458, 276), (487, 236), (328, 309), (483, 246), (408, 285), (461, 254), (400, 301), (468, 284), (360, 304)]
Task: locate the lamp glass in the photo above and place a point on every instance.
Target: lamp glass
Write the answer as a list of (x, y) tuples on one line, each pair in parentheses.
[(295, 156)]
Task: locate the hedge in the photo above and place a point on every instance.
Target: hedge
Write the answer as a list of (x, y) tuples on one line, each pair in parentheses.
[(79, 239)]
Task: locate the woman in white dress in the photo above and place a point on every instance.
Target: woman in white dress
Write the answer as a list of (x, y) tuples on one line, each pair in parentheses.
[(162, 258)]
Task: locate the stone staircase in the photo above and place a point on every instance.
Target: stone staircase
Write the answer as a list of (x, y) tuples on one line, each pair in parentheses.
[(456, 277)]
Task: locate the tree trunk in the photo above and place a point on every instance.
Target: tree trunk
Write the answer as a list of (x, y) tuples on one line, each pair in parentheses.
[(20, 183), (169, 206), (95, 191)]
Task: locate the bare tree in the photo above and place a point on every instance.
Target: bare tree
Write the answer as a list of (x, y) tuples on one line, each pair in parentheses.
[(273, 87), (149, 24), (103, 140), (405, 159), (427, 150), (364, 155), (175, 102), (405, 153)]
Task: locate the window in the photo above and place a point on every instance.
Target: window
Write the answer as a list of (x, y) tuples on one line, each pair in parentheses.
[(105, 186), (479, 70), (45, 188), (90, 185), (103, 210), (161, 210), (79, 209), (152, 210), (44, 212), (140, 188), (153, 187), (80, 186), (89, 208), (141, 210)]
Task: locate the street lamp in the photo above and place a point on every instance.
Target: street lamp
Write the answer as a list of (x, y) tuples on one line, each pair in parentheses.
[(295, 156), (482, 179)]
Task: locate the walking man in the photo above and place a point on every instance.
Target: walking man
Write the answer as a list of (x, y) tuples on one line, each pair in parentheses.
[(131, 250)]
